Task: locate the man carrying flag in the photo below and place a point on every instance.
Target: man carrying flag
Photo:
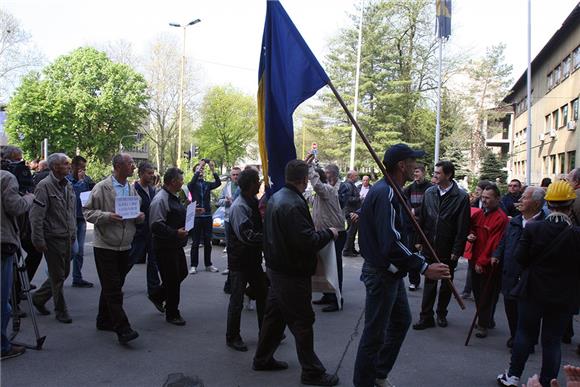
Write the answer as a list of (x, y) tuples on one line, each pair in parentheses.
[(289, 74)]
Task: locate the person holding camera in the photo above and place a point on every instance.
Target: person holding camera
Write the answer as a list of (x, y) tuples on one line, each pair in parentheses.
[(53, 222), (12, 205), (200, 191)]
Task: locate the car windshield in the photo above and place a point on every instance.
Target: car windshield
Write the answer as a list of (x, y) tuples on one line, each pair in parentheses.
[(219, 213)]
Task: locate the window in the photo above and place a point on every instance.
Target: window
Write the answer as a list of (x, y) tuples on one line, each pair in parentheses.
[(575, 110), (566, 67), (576, 58), (557, 75), (564, 110), (553, 164), (550, 81), (571, 160), (562, 160), (546, 165), (548, 123), (556, 119)]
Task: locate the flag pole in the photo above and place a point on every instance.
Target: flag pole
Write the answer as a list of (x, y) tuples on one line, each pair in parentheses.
[(395, 188), (356, 84), (529, 100), (438, 126)]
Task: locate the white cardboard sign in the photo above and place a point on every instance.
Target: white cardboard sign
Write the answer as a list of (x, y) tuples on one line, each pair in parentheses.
[(127, 207), (190, 216)]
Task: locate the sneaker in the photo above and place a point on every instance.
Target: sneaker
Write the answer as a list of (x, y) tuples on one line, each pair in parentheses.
[(15, 351), (193, 270), (225, 250), (412, 287), (249, 304), (212, 269), (226, 272), (481, 333), (507, 380)]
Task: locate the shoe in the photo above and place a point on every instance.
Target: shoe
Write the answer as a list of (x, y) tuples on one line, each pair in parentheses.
[(237, 344), (178, 320), (158, 304), (349, 254), (127, 335), (212, 269), (466, 296), (193, 270), (508, 380), (442, 321), (32, 286), (272, 365), (383, 383), (510, 342), (226, 272), (491, 324), (249, 304), (225, 250), (321, 380), (356, 252), (40, 308), (105, 327), (15, 351), (63, 317), (424, 324), (332, 307), (481, 333), (412, 287), (324, 300), (83, 284)]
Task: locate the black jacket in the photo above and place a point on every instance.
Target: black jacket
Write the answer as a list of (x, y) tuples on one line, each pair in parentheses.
[(143, 228), (548, 253), (349, 197), (245, 236), (200, 191), (445, 221), (290, 241), (166, 216), (505, 252)]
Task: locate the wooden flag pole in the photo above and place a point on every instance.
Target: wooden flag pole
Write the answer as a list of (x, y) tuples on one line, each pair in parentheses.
[(396, 189)]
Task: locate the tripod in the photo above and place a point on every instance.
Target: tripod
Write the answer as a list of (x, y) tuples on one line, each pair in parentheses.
[(20, 271)]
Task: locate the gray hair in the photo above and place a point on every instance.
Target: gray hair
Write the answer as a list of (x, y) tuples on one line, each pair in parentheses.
[(575, 175), (538, 194), (8, 152), (55, 158), (119, 159), (333, 168)]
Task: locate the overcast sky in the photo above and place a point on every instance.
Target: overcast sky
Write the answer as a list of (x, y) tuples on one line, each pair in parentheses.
[(226, 44)]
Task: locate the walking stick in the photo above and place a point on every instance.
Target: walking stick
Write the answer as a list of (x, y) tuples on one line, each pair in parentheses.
[(486, 290), (396, 190)]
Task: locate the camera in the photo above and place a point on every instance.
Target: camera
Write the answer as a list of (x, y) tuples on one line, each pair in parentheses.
[(22, 173), (205, 160)]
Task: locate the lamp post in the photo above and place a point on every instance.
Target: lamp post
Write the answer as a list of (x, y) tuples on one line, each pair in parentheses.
[(180, 123), (121, 141)]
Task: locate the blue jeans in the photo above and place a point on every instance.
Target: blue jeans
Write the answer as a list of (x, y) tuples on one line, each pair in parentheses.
[(78, 251), (387, 320), (6, 287), (553, 320)]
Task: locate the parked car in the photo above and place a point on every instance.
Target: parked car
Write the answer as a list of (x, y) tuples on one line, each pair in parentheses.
[(218, 229)]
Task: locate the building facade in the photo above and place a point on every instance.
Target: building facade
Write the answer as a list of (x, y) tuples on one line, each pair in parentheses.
[(554, 108)]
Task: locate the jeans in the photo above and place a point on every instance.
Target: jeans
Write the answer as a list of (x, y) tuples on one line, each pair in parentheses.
[(239, 279), (201, 230), (6, 287), (143, 246), (553, 321), (338, 246), (387, 320), (78, 251)]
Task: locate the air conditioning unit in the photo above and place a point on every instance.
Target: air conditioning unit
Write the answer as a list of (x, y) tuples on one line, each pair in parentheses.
[(542, 137), (553, 133), (571, 125)]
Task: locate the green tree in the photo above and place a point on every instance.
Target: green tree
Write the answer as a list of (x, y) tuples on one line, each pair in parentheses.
[(81, 102), (228, 125), (493, 168)]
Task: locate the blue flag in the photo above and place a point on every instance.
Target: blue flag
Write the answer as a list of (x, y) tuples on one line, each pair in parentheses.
[(288, 75), (443, 9)]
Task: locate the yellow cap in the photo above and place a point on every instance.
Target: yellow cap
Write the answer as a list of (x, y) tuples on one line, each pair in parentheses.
[(560, 191)]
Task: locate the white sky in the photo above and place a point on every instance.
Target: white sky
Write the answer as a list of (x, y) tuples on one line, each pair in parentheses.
[(231, 30)]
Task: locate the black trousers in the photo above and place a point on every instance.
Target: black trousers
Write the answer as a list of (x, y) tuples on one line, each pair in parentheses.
[(486, 288), (511, 313), (238, 282), (112, 268), (289, 303), (173, 269), (430, 294), (202, 231), (351, 231)]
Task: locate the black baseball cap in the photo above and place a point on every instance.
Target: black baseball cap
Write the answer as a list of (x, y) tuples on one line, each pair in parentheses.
[(399, 152)]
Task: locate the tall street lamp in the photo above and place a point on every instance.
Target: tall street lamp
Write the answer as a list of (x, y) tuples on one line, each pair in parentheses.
[(180, 123)]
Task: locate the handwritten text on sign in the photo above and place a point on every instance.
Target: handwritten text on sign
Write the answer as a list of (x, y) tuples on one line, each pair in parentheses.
[(127, 206)]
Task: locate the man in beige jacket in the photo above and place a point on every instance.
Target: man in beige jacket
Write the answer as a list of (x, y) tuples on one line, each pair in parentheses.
[(53, 223), (112, 242)]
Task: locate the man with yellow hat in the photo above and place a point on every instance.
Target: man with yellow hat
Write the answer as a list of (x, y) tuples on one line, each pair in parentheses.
[(549, 287)]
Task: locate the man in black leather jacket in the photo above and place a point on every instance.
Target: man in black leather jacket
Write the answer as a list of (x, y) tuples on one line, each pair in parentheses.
[(290, 247), (445, 220)]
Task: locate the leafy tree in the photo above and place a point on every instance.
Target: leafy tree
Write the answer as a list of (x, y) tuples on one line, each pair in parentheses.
[(81, 102), (228, 125)]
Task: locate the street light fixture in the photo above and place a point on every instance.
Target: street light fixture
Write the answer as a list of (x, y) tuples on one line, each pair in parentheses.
[(180, 123)]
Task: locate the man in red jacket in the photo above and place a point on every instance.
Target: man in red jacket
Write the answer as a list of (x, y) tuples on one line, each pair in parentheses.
[(490, 225)]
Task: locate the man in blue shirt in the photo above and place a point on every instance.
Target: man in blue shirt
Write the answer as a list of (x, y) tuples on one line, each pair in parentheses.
[(81, 183), (382, 239)]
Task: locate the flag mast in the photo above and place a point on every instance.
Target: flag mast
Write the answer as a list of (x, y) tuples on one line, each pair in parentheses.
[(443, 12)]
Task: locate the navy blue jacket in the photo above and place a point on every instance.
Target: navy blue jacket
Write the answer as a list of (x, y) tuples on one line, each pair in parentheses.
[(508, 203), (143, 228), (383, 232), (505, 252), (200, 192)]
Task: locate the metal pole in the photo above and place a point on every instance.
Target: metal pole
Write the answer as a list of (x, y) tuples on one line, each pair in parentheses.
[(45, 148), (438, 125), (303, 143), (356, 84), (180, 124), (529, 100)]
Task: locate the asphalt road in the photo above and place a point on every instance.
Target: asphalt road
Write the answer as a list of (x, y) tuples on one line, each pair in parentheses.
[(79, 355)]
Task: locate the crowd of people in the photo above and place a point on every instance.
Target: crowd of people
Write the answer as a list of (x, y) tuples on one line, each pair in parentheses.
[(522, 245)]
